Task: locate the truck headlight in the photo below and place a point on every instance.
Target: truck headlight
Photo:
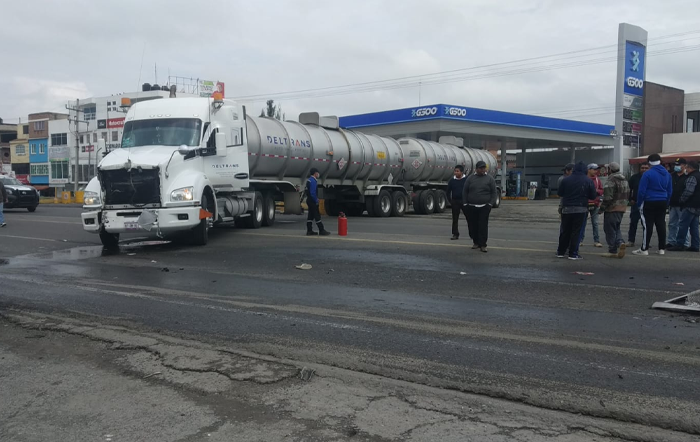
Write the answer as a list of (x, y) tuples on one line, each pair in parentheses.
[(91, 199), (184, 194), (9, 191)]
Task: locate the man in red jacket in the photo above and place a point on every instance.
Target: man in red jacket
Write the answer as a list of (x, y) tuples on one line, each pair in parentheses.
[(594, 205)]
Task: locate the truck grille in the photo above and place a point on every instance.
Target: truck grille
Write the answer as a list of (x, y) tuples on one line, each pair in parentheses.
[(136, 187)]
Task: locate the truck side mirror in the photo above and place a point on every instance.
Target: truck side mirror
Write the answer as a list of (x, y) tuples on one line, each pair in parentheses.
[(221, 144)]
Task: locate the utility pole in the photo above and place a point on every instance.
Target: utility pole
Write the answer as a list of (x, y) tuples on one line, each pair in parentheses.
[(77, 121)]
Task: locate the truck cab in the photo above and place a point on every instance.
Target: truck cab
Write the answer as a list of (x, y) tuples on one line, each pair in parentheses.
[(182, 166)]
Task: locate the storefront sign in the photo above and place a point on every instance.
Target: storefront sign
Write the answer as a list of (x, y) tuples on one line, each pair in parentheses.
[(102, 124), (59, 153), (115, 123), (24, 179)]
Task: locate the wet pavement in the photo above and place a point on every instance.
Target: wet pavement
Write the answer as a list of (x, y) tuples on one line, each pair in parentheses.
[(396, 298)]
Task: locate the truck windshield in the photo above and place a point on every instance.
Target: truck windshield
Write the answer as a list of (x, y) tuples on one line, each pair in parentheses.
[(162, 132)]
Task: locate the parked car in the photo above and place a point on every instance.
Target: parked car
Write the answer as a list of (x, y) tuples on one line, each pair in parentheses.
[(20, 195)]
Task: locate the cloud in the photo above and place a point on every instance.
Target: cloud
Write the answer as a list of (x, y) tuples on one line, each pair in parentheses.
[(84, 48)]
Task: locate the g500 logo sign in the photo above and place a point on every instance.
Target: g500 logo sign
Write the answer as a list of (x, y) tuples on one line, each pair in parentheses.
[(635, 82), (455, 112), (424, 112)]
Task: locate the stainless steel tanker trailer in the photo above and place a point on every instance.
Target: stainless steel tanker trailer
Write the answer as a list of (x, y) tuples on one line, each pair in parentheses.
[(187, 164), (360, 172)]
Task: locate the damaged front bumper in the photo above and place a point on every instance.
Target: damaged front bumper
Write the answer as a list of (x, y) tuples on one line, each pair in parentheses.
[(160, 220)]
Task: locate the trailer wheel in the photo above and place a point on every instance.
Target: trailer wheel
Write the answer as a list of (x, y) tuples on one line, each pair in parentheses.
[(416, 203), (200, 233), (498, 199), (427, 202), (110, 241), (254, 221), (269, 212), (369, 205), (440, 201), (382, 204), (399, 204)]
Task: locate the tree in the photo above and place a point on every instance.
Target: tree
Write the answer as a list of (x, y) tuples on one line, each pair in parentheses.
[(272, 111)]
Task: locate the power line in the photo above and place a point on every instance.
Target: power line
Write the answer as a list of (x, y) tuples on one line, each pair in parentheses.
[(424, 77)]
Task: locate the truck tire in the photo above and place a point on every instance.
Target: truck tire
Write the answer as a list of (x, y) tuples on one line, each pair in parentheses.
[(269, 210), (254, 221), (369, 205), (427, 202), (440, 201), (498, 199), (110, 241), (200, 233), (399, 204), (382, 204), (416, 203), (31, 209)]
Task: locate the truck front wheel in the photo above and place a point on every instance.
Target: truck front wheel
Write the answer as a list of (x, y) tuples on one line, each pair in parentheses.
[(200, 234), (110, 241)]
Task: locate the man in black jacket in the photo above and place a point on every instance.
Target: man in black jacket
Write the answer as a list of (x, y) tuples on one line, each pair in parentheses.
[(455, 186), (575, 191), (635, 214), (479, 195), (690, 201)]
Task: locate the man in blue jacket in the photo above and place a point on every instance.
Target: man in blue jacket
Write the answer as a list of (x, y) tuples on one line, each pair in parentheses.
[(312, 203), (653, 197), (575, 191)]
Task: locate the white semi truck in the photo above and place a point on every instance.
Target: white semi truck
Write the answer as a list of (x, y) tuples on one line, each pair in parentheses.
[(188, 164)]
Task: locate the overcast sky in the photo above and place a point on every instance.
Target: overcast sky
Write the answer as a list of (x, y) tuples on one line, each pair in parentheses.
[(54, 51)]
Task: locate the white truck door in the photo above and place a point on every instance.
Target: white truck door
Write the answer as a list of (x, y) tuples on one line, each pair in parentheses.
[(228, 166)]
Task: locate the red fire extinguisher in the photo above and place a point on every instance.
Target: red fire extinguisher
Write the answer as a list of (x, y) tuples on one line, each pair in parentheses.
[(342, 225)]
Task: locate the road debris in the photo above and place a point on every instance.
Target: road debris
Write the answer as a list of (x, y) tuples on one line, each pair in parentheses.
[(689, 303), (306, 373), (584, 273), (304, 267), (462, 273), (678, 283), (165, 269), (130, 254), (153, 261), (152, 374)]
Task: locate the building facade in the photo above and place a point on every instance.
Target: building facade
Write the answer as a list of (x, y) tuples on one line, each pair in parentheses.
[(663, 114), (39, 148), (19, 152)]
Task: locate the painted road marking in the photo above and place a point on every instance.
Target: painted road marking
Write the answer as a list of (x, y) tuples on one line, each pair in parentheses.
[(27, 237)]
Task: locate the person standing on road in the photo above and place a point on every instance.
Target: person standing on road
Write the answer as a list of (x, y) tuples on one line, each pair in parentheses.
[(479, 195), (655, 189), (614, 205), (568, 170), (674, 211), (690, 201), (593, 206), (635, 214), (575, 191), (312, 202), (3, 200), (455, 187)]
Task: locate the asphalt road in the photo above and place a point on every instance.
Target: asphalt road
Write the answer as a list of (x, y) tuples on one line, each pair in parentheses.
[(396, 298)]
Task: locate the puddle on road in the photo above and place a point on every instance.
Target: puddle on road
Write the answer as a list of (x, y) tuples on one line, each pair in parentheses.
[(87, 252)]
